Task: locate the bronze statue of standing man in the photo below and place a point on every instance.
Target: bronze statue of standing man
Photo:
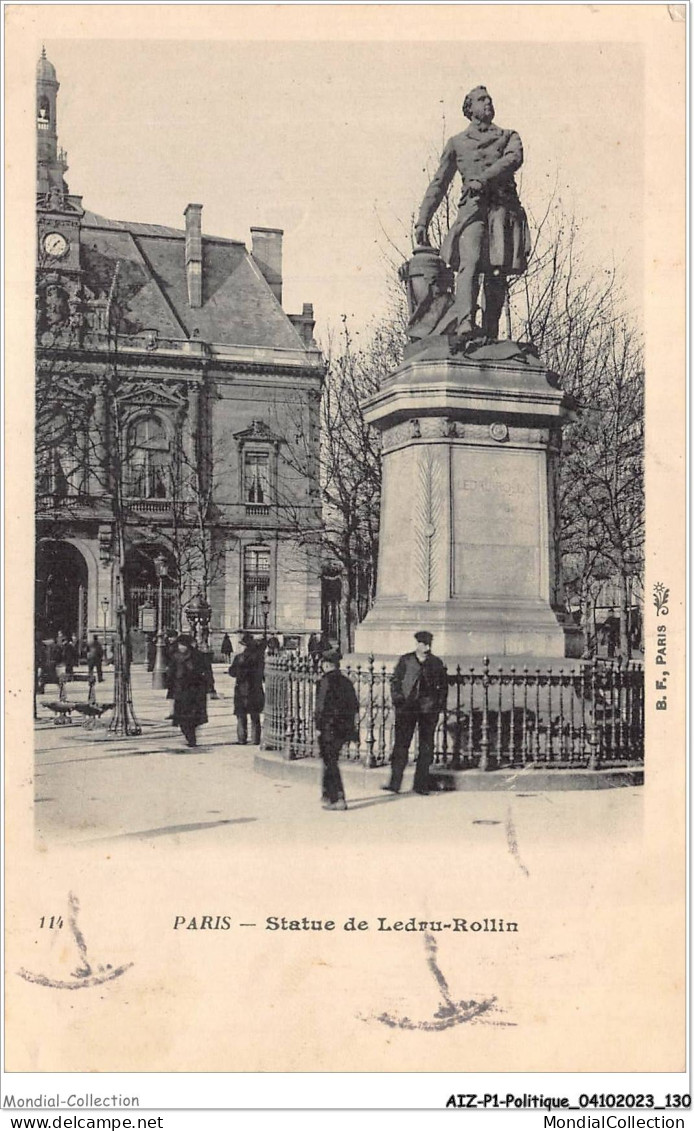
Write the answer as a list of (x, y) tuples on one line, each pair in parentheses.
[(489, 236)]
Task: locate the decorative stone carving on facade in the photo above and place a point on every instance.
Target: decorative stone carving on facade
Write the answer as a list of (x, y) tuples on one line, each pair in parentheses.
[(105, 545), (154, 394), (477, 433), (57, 200), (258, 431), (498, 431), (426, 428), (426, 519), (450, 428)]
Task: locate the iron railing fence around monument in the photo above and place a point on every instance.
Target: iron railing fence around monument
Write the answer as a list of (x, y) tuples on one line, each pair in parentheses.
[(589, 716)]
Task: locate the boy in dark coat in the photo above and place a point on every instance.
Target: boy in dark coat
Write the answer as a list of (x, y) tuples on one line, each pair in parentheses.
[(337, 708), (188, 688), (248, 667)]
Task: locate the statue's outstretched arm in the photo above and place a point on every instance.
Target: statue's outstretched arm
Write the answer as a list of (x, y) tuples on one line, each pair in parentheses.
[(439, 183)]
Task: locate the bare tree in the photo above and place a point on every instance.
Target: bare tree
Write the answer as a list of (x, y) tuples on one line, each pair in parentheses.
[(347, 473), (576, 316)]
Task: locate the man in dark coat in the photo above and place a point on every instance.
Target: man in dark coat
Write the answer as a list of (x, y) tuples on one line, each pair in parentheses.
[(95, 657), (69, 657), (226, 648), (248, 667), (187, 683), (337, 708), (419, 690)]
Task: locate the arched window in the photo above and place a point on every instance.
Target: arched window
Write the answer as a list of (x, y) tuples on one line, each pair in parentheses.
[(44, 113), (61, 459), (148, 459)]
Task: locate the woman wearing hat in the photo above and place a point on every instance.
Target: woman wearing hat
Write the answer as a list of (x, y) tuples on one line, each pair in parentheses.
[(187, 683), (248, 667), (337, 708)]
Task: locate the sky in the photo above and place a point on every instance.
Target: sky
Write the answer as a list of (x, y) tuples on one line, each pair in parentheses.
[(331, 141)]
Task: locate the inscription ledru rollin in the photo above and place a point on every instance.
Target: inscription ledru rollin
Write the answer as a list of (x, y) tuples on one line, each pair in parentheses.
[(497, 485)]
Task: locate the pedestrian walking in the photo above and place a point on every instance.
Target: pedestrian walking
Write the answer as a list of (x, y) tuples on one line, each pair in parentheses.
[(169, 654), (69, 657), (66, 655), (419, 690), (248, 667), (337, 708), (226, 648), (188, 688), (40, 663), (95, 658)]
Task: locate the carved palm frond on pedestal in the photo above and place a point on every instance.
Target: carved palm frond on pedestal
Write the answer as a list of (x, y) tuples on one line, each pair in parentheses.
[(427, 517)]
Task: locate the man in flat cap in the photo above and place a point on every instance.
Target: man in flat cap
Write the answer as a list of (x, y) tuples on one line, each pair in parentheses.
[(336, 713), (489, 236), (419, 690)]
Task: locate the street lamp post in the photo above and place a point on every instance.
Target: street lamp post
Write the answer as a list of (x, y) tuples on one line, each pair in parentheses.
[(265, 610), (159, 670), (199, 614), (105, 603)]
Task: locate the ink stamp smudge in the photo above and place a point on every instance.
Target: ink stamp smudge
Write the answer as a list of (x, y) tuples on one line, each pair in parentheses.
[(512, 841), (85, 975), (450, 1012)]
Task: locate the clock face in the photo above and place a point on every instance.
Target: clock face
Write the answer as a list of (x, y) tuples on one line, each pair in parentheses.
[(55, 245)]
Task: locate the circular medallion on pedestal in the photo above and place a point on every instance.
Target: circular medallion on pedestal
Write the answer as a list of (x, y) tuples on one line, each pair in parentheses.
[(498, 431)]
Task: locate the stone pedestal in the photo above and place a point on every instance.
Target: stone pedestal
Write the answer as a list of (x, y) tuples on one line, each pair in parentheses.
[(468, 515)]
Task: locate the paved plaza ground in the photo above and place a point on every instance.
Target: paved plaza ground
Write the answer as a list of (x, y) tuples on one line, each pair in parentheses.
[(92, 787)]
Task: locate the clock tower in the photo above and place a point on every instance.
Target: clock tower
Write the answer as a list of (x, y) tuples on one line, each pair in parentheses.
[(58, 214)]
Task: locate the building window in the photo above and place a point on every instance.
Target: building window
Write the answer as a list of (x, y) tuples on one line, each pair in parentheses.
[(256, 478), (256, 585), (148, 460), (63, 465), (44, 113)]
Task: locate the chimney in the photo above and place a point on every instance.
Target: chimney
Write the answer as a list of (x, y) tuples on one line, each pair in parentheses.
[(193, 215), (304, 323), (267, 251)]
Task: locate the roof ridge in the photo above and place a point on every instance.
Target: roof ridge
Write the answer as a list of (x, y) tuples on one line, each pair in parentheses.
[(142, 228)]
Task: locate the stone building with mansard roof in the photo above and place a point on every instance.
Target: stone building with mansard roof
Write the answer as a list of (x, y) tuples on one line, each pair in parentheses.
[(170, 383)]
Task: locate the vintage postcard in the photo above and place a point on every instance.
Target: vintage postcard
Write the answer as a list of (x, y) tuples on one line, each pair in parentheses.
[(344, 549)]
